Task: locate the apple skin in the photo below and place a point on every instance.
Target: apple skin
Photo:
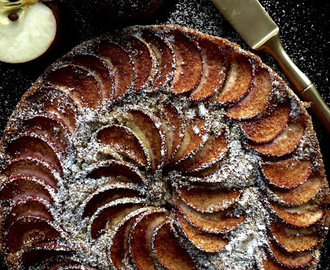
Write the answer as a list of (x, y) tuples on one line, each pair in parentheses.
[(32, 35)]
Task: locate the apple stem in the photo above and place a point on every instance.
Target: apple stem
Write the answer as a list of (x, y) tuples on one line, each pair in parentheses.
[(8, 5)]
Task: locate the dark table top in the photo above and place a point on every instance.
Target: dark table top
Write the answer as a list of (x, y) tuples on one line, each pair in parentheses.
[(304, 27)]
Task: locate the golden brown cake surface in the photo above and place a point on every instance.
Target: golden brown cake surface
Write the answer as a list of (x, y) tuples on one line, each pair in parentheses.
[(161, 147)]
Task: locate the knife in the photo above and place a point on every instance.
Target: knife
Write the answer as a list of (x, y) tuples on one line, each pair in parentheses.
[(260, 32)]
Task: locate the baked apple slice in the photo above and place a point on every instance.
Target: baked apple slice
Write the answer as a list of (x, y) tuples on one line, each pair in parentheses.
[(76, 82), (168, 250), (203, 241), (107, 194), (207, 199), (123, 141), (238, 81), (283, 144), (288, 173), (294, 239), (118, 170), (140, 238), (268, 127), (257, 99), (300, 194)]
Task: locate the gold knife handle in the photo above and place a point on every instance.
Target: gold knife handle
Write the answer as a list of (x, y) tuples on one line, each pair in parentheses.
[(302, 85)]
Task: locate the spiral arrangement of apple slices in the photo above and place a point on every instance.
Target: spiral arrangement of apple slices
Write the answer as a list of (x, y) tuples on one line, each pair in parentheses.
[(161, 148)]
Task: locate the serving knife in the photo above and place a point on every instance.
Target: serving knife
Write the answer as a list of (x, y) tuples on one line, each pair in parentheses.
[(260, 32)]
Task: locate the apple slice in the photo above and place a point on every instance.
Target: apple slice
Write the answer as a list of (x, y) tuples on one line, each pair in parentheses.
[(107, 194), (214, 149), (98, 68), (238, 81), (300, 194), (204, 241), (143, 59), (268, 127), (215, 222), (120, 63), (31, 166), (26, 207), (288, 173), (147, 127), (294, 239), (119, 249), (17, 187), (121, 171), (168, 250), (124, 142), (31, 230), (76, 82), (283, 144), (165, 56), (43, 251), (189, 62), (257, 99), (28, 37), (53, 101), (140, 238), (51, 127), (300, 216), (110, 214), (174, 127), (214, 69), (30, 144), (291, 259), (206, 199), (196, 134)]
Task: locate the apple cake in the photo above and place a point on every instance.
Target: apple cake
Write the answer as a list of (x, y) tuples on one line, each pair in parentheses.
[(160, 147)]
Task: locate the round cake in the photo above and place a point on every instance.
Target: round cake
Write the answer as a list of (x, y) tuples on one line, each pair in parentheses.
[(161, 147)]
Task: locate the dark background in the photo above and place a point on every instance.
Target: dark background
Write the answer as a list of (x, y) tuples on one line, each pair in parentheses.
[(304, 27)]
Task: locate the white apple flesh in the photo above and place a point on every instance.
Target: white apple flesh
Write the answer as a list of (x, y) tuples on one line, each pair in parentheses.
[(28, 37)]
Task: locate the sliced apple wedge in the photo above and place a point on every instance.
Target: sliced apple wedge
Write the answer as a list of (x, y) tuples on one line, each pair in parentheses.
[(17, 187), (120, 171), (238, 81), (189, 63), (168, 250), (300, 194), (204, 241), (283, 144), (165, 56), (54, 101), (124, 142), (214, 149), (257, 99), (294, 239), (32, 145), (121, 64), (31, 167), (43, 251), (28, 37), (291, 259), (215, 222), (143, 59), (287, 173), (300, 216), (207, 199), (268, 127), (78, 83), (28, 231), (214, 69), (111, 214), (99, 68), (140, 238), (107, 194)]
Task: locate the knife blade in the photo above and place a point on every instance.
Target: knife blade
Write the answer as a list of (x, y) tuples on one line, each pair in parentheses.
[(260, 32)]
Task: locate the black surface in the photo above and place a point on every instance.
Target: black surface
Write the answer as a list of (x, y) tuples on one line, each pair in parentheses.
[(304, 28)]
